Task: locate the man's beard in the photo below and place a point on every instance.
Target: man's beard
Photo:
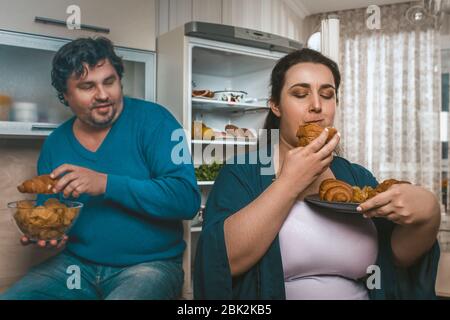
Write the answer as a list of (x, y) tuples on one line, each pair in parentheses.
[(101, 121)]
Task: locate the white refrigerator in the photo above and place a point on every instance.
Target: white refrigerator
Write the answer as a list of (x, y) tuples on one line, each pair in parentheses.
[(203, 56)]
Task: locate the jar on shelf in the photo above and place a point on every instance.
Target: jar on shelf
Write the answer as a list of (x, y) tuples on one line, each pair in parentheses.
[(5, 107), (25, 112)]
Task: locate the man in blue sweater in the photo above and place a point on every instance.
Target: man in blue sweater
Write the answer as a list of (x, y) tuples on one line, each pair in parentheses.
[(116, 157)]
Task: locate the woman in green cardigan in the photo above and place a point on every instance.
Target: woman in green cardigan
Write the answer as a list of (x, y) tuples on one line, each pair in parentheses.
[(260, 240)]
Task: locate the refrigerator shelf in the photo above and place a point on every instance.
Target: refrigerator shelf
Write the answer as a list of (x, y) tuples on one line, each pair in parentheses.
[(16, 129), (205, 183), (224, 106), (196, 229), (227, 142)]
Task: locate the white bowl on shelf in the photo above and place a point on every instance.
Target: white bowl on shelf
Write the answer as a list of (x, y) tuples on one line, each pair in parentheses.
[(259, 101), (230, 95)]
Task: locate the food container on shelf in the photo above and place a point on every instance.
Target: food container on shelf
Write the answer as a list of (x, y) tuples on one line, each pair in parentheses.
[(203, 93), (24, 112), (260, 101), (5, 107), (230, 95)]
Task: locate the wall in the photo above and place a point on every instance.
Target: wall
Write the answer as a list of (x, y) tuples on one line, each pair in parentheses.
[(17, 162), (445, 32), (273, 16)]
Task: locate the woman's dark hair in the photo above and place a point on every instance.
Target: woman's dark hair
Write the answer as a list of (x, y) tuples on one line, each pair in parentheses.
[(71, 56), (278, 76)]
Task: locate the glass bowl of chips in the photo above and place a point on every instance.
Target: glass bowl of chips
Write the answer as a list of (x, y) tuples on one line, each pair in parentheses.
[(48, 221)]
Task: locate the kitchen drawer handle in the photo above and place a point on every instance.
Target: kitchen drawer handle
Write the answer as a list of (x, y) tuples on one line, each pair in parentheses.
[(44, 126), (64, 24)]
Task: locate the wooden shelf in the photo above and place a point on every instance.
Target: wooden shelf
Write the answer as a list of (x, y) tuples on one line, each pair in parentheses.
[(15, 129), (209, 105)]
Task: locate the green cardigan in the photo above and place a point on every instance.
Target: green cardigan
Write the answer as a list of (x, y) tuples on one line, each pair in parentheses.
[(239, 184)]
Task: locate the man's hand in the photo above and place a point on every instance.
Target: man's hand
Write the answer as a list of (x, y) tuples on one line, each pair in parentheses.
[(79, 180), (404, 204), (44, 244)]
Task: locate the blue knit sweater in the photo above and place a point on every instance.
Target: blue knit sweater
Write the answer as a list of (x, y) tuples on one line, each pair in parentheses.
[(139, 218)]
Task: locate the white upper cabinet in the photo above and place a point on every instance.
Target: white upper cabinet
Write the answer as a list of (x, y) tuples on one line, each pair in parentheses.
[(272, 16), (131, 23)]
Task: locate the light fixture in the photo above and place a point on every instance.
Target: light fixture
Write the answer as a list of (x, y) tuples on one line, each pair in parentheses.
[(428, 11), (417, 15), (314, 41)]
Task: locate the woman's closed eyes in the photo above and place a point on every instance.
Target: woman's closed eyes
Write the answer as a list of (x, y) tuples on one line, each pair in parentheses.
[(326, 95)]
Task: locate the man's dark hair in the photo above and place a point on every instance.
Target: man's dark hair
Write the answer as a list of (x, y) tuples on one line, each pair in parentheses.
[(70, 58)]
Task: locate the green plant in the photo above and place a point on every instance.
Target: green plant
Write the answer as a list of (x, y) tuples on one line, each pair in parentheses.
[(208, 172)]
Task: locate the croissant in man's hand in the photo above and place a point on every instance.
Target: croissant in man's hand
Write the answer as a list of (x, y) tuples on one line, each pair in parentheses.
[(40, 184)]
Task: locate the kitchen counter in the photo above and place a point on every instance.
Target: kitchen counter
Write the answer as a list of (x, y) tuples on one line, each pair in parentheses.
[(443, 276)]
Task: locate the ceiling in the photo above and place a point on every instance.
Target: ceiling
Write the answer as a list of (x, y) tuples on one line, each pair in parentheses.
[(308, 7)]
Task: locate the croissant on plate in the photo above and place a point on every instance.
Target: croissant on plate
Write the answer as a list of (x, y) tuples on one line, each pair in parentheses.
[(309, 132), (386, 184), (335, 190), (361, 195), (358, 195), (40, 184)]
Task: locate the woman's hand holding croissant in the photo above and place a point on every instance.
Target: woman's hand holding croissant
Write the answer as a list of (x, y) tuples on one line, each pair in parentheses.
[(416, 212), (302, 165), (404, 204)]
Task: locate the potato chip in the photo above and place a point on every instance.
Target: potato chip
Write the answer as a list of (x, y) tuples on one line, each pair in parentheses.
[(46, 222)]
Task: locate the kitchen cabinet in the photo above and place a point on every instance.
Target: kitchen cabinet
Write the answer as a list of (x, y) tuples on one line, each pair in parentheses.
[(187, 63), (131, 23), (25, 65), (281, 17)]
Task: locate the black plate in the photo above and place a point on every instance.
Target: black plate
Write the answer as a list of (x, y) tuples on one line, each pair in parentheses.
[(342, 207)]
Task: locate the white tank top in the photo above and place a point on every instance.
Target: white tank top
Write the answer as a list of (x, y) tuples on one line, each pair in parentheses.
[(325, 253)]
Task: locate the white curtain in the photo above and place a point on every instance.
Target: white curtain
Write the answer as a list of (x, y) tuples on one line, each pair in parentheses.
[(390, 98), (445, 32)]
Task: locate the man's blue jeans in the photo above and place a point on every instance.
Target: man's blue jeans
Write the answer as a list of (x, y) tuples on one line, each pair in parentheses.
[(56, 279)]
